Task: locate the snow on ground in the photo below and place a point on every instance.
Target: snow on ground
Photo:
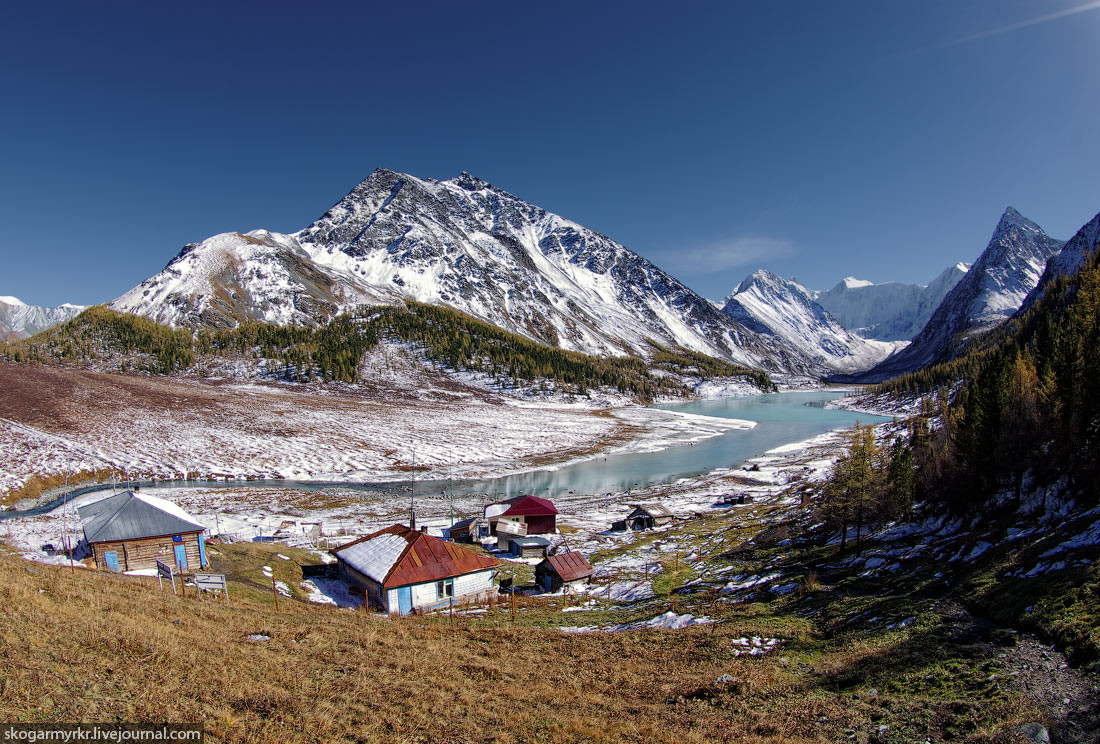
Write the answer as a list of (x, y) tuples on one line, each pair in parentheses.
[(257, 432), (626, 562), (754, 646), (668, 621), (330, 591), (879, 405), (722, 387), (297, 432)]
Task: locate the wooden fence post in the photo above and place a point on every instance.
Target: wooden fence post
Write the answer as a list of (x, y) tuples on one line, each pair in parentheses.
[(275, 593)]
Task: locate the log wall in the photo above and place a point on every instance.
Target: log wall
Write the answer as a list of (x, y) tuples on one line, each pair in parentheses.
[(144, 552)]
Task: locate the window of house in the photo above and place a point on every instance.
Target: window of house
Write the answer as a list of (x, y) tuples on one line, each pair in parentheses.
[(445, 589)]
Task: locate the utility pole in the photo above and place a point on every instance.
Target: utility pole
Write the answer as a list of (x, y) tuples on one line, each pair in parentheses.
[(65, 522), (412, 495)]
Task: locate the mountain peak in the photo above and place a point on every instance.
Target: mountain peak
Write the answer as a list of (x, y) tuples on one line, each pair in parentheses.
[(470, 182), (12, 301), (1011, 218), (760, 277), (767, 303)]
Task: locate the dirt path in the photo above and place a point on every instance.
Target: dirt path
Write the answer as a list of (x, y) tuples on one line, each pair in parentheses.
[(1070, 697)]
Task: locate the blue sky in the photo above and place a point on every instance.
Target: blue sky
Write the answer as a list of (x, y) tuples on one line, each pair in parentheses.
[(879, 139)]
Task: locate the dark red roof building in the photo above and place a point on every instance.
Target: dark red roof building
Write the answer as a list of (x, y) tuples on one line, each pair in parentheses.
[(539, 515)]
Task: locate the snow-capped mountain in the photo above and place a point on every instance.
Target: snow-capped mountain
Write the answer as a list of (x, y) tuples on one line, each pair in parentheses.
[(233, 277), (1085, 242), (890, 311), (461, 243), (770, 304), (20, 320), (993, 289)]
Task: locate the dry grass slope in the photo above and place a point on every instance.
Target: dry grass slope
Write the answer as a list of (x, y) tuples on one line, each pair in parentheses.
[(100, 647)]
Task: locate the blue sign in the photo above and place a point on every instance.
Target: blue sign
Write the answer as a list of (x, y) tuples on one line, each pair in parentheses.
[(177, 538)]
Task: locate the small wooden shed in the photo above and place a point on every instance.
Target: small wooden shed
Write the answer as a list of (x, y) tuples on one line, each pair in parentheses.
[(128, 532), (528, 547), (469, 530), (565, 569), (648, 516)]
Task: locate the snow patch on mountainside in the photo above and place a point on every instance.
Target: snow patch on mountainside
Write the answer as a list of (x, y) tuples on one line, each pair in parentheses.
[(890, 311), (463, 244), (1069, 259), (769, 303), (994, 288), (233, 277), (20, 320)]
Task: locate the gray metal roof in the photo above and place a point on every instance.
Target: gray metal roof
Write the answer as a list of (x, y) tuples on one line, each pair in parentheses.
[(654, 510), (530, 542), (126, 516)]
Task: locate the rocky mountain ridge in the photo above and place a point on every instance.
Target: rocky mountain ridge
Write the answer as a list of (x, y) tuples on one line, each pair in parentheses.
[(770, 304), (992, 290), (20, 320), (460, 243), (890, 311)]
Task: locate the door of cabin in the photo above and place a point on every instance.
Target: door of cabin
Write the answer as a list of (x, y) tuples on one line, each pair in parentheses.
[(110, 560), (404, 599), (181, 557)]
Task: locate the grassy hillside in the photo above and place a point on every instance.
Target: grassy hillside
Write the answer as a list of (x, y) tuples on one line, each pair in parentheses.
[(1008, 444), (93, 646), (333, 351)]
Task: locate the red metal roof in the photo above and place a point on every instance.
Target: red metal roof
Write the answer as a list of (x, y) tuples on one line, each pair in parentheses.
[(427, 558), (570, 566), (528, 506)]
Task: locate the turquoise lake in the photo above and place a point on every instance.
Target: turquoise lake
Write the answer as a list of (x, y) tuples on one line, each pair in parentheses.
[(781, 418)]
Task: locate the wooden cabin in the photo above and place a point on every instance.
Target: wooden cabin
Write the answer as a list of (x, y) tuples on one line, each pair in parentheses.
[(128, 532), (645, 517), (531, 546), (538, 516), (565, 569), (401, 570), (471, 530)]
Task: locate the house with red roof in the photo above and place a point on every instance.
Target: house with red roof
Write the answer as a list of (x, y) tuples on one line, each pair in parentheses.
[(401, 570), (538, 516)]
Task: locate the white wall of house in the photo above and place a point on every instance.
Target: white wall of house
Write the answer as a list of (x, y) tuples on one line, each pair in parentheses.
[(472, 583), (426, 595)]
